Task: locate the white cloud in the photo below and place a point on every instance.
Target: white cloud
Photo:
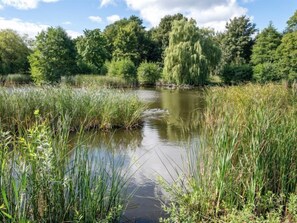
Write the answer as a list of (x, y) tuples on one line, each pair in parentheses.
[(73, 34), (25, 4), (207, 13), (32, 29), (97, 19), (1, 7), (106, 2), (113, 18)]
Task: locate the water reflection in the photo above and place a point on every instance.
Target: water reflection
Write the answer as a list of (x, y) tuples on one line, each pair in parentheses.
[(156, 149)]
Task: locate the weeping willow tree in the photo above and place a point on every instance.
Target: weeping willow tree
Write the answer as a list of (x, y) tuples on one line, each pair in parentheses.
[(190, 56)]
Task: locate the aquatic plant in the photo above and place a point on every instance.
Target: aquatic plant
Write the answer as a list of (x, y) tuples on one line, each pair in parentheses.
[(88, 108), (246, 162), (45, 179)]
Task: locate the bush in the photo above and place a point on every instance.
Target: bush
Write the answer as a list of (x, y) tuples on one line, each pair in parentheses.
[(16, 79), (148, 73), (123, 68), (266, 72), (233, 74)]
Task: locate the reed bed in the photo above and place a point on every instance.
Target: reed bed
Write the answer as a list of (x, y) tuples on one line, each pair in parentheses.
[(245, 168), (104, 109), (96, 81), (43, 179)]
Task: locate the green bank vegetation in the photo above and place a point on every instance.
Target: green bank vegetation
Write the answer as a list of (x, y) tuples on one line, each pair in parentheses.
[(245, 169), (183, 52), (44, 179)]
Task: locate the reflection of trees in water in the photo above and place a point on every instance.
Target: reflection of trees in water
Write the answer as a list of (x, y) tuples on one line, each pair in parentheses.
[(114, 140), (185, 113)]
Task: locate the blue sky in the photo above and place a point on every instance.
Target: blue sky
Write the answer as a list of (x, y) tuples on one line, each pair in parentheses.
[(31, 16)]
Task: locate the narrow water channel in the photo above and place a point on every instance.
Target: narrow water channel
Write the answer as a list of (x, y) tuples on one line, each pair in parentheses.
[(156, 149)]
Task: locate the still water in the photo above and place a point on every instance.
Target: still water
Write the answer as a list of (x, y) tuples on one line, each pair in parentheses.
[(157, 149)]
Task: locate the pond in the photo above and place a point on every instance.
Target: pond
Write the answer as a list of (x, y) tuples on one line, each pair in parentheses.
[(157, 149)]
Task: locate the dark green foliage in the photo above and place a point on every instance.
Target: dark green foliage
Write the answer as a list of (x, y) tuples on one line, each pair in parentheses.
[(127, 38), (190, 55), (17, 79), (265, 45), (92, 51), (237, 41), (265, 72), (148, 73), (286, 55), (264, 54), (124, 69), (13, 53), (54, 55), (233, 74)]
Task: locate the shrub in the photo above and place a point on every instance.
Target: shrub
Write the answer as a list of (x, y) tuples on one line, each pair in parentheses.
[(123, 68), (15, 79), (266, 72), (233, 74), (148, 73)]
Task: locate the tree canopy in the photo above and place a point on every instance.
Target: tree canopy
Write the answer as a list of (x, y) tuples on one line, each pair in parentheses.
[(92, 50), (13, 53), (53, 56), (238, 40), (286, 55), (189, 56), (264, 54), (265, 45)]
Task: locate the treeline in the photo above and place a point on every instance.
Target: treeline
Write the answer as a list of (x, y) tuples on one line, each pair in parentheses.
[(175, 52)]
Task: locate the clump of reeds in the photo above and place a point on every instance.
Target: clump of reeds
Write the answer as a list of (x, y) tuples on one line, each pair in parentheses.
[(43, 179), (17, 79), (96, 81), (246, 163), (87, 108)]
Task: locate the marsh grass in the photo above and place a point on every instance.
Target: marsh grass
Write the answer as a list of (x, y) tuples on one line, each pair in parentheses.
[(246, 164), (87, 108), (42, 179), (17, 79), (96, 81)]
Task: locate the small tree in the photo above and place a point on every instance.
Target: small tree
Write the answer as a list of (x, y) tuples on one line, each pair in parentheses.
[(92, 50), (13, 53), (124, 69), (148, 73), (286, 55), (237, 41), (54, 55), (189, 56), (264, 54)]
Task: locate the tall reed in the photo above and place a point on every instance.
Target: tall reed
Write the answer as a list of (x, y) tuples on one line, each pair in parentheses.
[(43, 180), (86, 107), (247, 156)]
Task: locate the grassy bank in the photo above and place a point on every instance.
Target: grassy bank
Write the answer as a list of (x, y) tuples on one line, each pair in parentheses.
[(86, 108), (43, 179), (245, 169), (96, 81)]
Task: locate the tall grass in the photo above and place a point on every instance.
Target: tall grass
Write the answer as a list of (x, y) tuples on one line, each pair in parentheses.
[(103, 109), (42, 180), (96, 81), (246, 164)]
